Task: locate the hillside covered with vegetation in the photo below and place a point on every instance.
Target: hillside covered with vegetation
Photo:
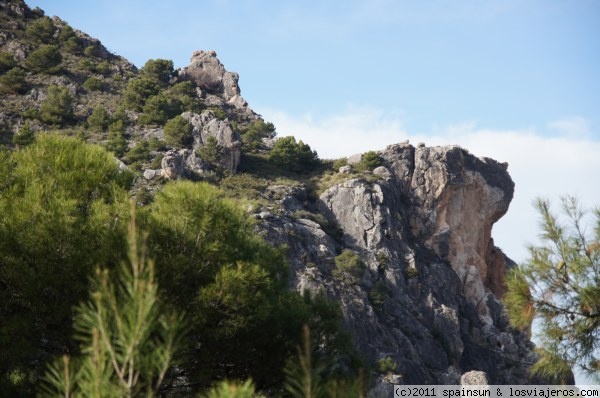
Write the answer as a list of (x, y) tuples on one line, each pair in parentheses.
[(74, 123)]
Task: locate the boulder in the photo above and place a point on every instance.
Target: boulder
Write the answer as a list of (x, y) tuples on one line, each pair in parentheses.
[(209, 74)]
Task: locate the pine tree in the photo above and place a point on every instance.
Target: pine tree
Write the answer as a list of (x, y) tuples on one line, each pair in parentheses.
[(57, 107), (99, 119), (128, 340), (62, 202), (560, 285), (211, 152)]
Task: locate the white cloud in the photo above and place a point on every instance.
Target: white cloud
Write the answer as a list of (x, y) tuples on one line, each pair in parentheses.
[(540, 165), (574, 126)]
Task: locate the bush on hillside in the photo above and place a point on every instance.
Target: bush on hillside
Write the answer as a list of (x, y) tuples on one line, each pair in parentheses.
[(46, 59), (178, 132), (138, 91), (57, 107), (7, 62), (294, 156), (348, 266), (93, 84), (24, 136), (211, 151), (41, 31), (13, 82), (160, 70), (251, 137), (99, 119), (369, 161)]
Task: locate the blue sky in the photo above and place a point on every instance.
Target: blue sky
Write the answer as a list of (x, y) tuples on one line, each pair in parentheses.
[(518, 81), (503, 63), (515, 80)]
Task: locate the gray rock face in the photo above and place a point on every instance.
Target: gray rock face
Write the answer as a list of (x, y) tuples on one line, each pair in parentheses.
[(210, 75), (456, 199), (180, 163), (423, 229), (207, 125)]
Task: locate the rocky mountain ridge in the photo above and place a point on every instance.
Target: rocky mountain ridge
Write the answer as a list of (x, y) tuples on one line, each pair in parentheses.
[(423, 230), (428, 293)]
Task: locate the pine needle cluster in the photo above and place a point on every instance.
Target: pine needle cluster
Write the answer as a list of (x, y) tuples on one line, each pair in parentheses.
[(559, 284)]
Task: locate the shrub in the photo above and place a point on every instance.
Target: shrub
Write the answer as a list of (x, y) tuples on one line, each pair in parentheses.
[(7, 62), (369, 161), (160, 70), (138, 155), (411, 272), (382, 259), (219, 113), (86, 65), (66, 33), (386, 365), (99, 119), (295, 156), (348, 265), (377, 295), (46, 59), (72, 45), (244, 185), (182, 97), (232, 389), (138, 91), (337, 163), (252, 136), (90, 51), (13, 81), (116, 143), (24, 136), (41, 30), (211, 151), (156, 163), (56, 108), (178, 131), (121, 115), (93, 84), (156, 145), (103, 68), (117, 126), (157, 110)]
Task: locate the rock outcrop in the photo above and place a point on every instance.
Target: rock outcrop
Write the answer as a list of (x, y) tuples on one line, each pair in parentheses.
[(422, 225), (207, 125), (216, 85), (456, 198)]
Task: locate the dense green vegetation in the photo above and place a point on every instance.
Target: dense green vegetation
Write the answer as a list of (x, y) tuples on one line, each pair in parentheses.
[(200, 258), (194, 275), (560, 285), (128, 338), (61, 203)]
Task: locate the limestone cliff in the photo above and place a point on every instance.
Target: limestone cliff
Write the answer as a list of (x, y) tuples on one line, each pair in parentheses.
[(422, 225)]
